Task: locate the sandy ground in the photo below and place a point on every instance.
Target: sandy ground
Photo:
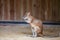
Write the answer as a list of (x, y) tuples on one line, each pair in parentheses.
[(23, 33), (24, 37)]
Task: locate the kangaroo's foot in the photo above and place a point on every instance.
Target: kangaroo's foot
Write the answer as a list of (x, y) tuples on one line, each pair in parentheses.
[(40, 35)]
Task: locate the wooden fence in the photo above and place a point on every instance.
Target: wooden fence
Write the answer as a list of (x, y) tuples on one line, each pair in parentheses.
[(47, 10)]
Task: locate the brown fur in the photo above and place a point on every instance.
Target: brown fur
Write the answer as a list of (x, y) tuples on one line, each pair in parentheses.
[(39, 24), (35, 23)]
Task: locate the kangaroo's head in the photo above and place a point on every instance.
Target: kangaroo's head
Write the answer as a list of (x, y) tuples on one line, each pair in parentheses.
[(27, 18)]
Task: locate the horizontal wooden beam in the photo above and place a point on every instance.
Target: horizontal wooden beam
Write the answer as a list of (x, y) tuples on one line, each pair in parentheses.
[(22, 22)]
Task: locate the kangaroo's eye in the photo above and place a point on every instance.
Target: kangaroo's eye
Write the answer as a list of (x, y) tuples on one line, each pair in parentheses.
[(26, 19)]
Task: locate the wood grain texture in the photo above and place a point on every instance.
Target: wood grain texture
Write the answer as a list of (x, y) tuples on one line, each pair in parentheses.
[(11, 9), (0, 10), (6, 10), (46, 10)]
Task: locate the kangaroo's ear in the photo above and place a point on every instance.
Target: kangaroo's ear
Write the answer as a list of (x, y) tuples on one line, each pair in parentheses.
[(28, 14)]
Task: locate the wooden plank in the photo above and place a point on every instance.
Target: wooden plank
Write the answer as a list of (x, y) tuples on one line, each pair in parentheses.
[(2, 1), (18, 9), (11, 9), (22, 11), (24, 6), (46, 9), (14, 9), (0, 10), (49, 10), (59, 9), (42, 9), (6, 10), (54, 13), (27, 5), (33, 7), (30, 6), (56, 10), (36, 7)]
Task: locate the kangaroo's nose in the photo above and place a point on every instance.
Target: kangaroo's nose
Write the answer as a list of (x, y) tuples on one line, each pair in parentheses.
[(26, 19)]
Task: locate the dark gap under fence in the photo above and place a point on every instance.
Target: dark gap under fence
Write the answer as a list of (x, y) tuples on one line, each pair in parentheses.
[(22, 22)]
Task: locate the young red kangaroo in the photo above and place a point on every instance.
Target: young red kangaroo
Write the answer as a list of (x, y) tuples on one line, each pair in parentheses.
[(36, 25)]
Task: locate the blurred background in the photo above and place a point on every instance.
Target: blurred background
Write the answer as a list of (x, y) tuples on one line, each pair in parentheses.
[(14, 10), (46, 10)]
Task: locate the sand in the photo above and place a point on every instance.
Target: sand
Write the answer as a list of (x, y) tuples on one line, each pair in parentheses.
[(15, 32)]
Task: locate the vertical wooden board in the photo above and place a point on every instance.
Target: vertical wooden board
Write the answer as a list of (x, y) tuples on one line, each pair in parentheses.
[(0, 10), (59, 9), (27, 5), (46, 9), (49, 11), (21, 9), (53, 10), (48, 6), (36, 9), (2, 1), (11, 9), (43, 9), (33, 7), (14, 9), (40, 9), (30, 6), (56, 9), (18, 9), (24, 6), (6, 10)]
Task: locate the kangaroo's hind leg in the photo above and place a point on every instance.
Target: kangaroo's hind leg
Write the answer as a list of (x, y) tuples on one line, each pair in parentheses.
[(34, 32)]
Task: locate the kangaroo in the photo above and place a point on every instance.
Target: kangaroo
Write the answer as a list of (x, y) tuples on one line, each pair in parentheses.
[(36, 25)]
